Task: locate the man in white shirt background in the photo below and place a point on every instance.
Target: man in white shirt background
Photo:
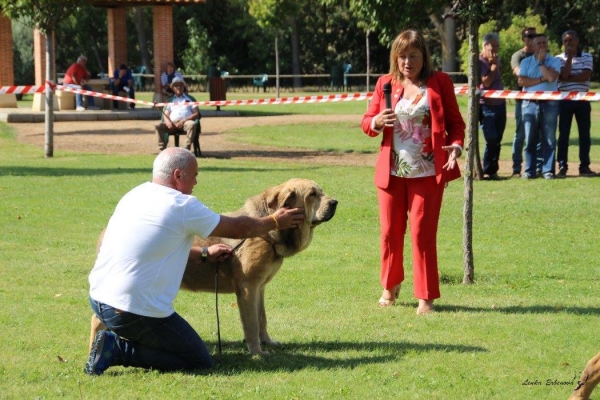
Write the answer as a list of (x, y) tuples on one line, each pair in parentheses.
[(178, 117), (576, 70)]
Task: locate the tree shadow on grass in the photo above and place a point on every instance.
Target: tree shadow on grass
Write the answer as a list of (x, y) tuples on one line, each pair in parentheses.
[(323, 355), (18, 170), (536, 309), (320, 355)]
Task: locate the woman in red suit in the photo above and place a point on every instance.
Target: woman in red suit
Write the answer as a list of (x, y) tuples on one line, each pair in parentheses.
[(423, 135)]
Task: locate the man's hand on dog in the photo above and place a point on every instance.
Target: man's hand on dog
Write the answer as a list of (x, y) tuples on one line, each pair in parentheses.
[(289, 217), (219, 252)]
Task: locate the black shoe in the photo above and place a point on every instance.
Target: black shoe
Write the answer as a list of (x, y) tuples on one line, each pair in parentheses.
[(562, 172), (586, 171)]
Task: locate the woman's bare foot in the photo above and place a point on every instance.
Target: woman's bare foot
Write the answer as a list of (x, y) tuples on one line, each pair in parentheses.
[(389, 296), (425, 306)]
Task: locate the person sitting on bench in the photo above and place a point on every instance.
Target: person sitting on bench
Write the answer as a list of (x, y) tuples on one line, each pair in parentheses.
[(122, 80), (178, 117)]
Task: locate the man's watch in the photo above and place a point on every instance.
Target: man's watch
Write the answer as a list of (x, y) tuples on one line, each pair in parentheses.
[(204, 256), (541, 63)]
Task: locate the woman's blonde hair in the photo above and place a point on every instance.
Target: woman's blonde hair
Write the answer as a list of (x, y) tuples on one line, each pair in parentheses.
[(405, 40)]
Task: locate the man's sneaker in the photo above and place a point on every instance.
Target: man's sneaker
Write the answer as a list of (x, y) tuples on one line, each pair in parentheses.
[(95, 108), (80, 108), (548, 175), (526, 177), (538, 173), (516, 174), (494, 177), (102, 355), (586, 171)]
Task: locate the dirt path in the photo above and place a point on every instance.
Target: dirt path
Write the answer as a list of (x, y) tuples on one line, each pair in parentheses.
[(138, 137)]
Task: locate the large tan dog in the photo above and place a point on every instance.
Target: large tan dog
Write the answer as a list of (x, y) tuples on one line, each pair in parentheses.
[(590, 377), (256, 261)]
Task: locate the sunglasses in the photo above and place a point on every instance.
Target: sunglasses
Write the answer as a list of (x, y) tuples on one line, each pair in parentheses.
[(529, 36)]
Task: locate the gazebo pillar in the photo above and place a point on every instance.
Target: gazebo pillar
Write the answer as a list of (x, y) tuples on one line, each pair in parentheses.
[(39, 57), (162, 31), (117, 38), (7, 74)]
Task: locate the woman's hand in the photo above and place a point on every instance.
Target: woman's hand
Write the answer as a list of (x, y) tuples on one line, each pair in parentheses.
[(454, 152), (385, 118)]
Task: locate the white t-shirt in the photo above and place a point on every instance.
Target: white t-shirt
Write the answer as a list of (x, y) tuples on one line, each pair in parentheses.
[(145, 249), (179, 112)]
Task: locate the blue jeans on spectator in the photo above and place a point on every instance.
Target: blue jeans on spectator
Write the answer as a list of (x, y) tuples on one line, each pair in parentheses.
[(493, 122), (582, 111), (120, 87), (79, 97), (519, 140), (166, 344), (540, 119)]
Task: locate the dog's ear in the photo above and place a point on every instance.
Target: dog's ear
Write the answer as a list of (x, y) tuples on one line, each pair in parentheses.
[(284, 198)]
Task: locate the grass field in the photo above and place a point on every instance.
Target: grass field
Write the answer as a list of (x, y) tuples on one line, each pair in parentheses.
[(524, 330)]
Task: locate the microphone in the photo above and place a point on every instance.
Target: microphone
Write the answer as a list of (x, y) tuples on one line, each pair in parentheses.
[(387, 92)]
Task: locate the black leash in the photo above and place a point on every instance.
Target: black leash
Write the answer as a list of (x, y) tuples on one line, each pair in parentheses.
[(217, 299)]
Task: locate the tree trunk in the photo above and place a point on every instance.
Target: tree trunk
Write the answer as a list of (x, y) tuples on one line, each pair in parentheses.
[(277, 63), (449, 48), (142, 38), (470, 146), (49, 111), (446, 28), (297, 83), (368, 55)]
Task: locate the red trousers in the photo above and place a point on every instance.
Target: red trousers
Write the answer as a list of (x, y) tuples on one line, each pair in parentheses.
[(418, 201)]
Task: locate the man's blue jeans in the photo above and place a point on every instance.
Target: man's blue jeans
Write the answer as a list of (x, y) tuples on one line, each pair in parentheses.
[(493, 122), (79, 97), (517, 146), (540, 119), (117, 88), (165, 344), (582, 111)]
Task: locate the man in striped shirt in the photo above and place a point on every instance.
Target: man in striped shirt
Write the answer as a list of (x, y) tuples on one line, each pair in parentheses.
[(575, 72)]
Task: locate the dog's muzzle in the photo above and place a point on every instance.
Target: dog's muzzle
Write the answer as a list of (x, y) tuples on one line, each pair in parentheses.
[(328, 213)]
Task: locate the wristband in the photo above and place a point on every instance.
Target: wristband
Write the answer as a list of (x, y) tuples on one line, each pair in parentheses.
[(204, 256), (275, 220)]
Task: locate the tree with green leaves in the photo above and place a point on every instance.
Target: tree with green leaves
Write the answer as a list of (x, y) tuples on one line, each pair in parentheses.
[(274, 17), (44, 15)]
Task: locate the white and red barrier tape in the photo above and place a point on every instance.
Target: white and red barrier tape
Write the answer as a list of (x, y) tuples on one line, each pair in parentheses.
[(459, 90)]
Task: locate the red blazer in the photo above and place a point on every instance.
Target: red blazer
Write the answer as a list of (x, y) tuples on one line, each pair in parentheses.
[(447, 125)]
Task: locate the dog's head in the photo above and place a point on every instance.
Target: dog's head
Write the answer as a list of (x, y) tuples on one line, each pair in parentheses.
[(305, 194), (301, 193)]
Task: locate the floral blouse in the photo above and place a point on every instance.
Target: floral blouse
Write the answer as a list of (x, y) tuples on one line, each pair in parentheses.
[(412, 152)]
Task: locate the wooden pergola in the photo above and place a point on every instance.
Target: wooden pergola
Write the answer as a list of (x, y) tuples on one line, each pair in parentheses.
[(162, 31)]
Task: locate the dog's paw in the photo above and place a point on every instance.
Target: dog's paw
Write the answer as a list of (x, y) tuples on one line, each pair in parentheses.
[(271, 343)]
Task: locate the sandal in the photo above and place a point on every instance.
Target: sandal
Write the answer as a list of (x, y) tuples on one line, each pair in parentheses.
[(383, 302)]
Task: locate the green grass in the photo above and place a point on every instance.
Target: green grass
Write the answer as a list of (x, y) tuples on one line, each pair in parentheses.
[(532, 314)]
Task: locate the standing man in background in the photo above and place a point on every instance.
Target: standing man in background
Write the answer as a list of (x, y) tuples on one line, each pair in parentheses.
[(493, 111), (539, 73), (576, 70), (527, 36)]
